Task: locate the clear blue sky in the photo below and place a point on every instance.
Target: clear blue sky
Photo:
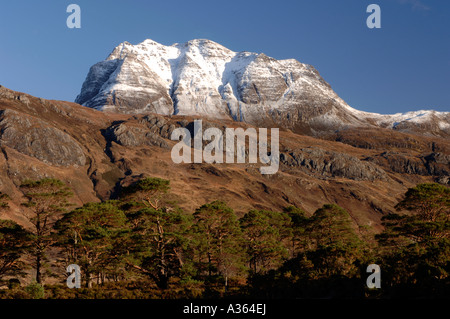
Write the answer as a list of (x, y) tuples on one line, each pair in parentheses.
[(403, 66)]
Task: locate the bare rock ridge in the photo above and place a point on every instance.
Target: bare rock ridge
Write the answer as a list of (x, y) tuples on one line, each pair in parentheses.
[(36, 138), (201, 77), (328, 164)]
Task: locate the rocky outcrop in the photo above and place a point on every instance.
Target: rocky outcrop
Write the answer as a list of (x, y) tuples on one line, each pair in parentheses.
[(329, 164), (158, 125), (128, 135), (437, 164), (433, 164), (9, 94), (37, 138)]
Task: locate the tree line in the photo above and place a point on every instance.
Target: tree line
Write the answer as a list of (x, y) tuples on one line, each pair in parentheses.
[(142, 241)]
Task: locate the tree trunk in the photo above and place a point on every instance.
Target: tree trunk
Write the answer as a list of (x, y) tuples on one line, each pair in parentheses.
[(209, 264), (226, 283), (162, 282), (38, 268), (88, 280)]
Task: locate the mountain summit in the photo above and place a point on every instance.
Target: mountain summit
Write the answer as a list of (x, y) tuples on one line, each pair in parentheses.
[(202, 77)]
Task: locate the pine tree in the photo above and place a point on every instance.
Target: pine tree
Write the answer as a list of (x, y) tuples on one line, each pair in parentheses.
[(14, 241), (159, 243), (265, 233), (219, 240), (159, 231), (147, 192), (336, 245), (297, 225), (415, 244), (47, 200), (90, 236)]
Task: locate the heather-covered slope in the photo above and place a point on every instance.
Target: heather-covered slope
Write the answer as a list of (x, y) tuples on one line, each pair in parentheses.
[(366, 171)]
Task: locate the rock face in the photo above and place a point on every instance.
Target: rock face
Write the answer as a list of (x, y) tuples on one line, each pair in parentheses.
[(201, 77), (332, 164), (135, 136), (36, 138), (435, 164)]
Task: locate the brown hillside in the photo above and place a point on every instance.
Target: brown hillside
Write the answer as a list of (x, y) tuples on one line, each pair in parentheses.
[(366, 171)]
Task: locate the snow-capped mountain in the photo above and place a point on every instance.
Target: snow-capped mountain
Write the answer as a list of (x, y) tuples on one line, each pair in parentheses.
[(201, 77)]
